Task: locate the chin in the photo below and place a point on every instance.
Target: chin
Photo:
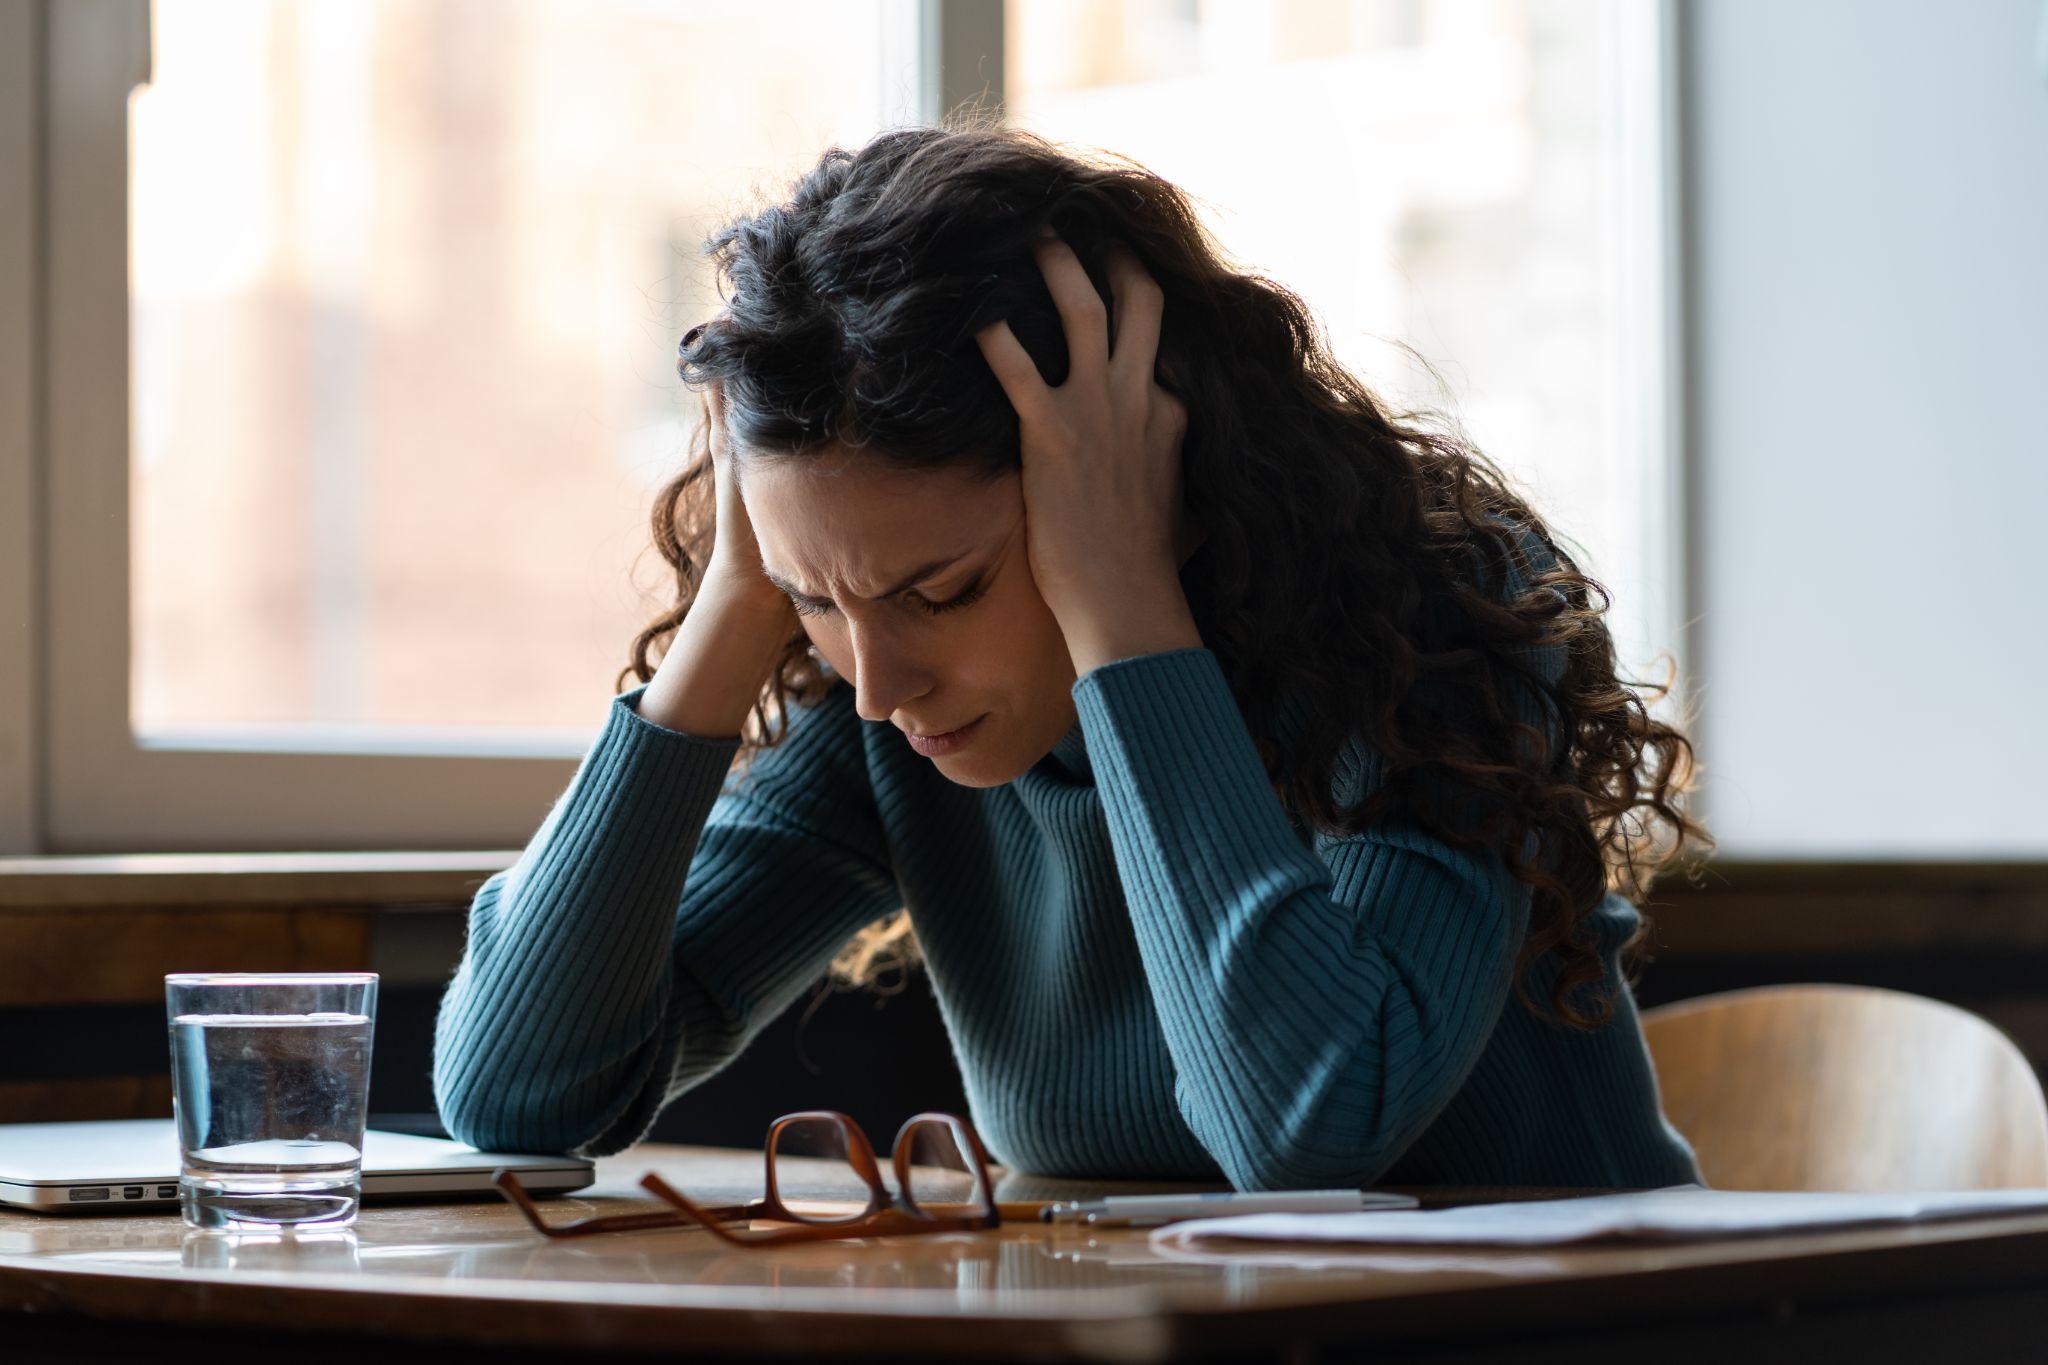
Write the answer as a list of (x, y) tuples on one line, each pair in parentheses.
[(991, 763), (974, 770)]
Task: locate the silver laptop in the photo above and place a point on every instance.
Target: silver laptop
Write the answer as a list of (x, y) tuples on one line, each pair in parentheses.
[(133, 1164)]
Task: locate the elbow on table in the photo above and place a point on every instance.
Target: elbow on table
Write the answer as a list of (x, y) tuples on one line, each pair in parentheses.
[(475, 1109), (495, 1111), (1285, 1165), (1312, 1148), (497, 1093)]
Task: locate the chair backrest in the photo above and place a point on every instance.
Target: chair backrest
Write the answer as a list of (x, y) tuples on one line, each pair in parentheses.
[(1847, 1088)]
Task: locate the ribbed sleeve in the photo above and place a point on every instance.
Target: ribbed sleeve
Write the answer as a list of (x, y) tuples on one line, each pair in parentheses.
[(1320, 1007), (651, 926)]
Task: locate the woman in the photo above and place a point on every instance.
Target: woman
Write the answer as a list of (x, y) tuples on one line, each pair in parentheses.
[(1252, 767)]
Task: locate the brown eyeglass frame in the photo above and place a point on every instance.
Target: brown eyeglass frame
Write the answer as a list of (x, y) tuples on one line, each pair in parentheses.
[(888, 1213)]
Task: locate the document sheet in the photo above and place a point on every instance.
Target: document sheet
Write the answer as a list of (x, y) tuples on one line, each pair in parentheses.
[(1680, 1213)]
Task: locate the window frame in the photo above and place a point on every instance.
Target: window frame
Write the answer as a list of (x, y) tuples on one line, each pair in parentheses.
[(73, 776), (1657, 410), (20, 407), (78, 779)]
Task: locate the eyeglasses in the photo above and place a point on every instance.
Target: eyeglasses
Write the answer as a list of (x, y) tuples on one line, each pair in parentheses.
[(942, 1185)]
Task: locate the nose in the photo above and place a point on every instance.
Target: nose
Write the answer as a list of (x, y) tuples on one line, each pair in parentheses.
[(884, 675)]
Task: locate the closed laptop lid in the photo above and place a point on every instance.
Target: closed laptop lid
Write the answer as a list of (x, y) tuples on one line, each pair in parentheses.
[(37, 1157)]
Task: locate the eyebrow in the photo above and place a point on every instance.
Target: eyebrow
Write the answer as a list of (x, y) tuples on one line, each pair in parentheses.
[(910, 580)]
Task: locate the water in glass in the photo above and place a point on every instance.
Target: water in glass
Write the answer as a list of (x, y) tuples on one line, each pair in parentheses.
[(270, 1109)]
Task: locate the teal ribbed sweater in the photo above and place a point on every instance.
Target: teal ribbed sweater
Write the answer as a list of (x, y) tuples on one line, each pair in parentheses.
[(1146, 969)]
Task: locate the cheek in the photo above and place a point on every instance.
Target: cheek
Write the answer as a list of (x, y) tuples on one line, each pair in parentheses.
[(1029, 628), (1021, 654)]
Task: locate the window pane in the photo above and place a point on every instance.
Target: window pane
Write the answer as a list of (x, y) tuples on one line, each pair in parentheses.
[(1442, 173), (408, 278)]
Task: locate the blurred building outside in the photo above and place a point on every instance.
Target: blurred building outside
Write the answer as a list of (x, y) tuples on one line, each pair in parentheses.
[(408, 280)]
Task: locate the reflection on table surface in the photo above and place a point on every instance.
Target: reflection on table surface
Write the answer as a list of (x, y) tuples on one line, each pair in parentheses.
[(483, 1241), (483, 1248), (973, 1267)]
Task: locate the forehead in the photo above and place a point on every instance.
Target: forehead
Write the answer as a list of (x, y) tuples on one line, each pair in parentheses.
[(854, 523)]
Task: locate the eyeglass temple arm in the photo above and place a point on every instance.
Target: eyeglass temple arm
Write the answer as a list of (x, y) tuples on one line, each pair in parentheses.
[(509, 1184), (713, 1213)]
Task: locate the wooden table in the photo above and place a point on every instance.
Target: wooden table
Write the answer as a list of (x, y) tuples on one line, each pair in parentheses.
[(473, 1276)]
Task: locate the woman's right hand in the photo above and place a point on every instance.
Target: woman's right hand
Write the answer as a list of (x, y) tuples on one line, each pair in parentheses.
[(735, 554), (738, 624)]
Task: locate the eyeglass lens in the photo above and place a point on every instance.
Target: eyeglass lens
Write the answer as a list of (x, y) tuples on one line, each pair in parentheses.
[(940, 1175), (815, 1172), (817, 1164)]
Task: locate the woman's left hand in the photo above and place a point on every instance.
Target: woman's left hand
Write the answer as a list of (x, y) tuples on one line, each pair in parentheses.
[(1106, 526)]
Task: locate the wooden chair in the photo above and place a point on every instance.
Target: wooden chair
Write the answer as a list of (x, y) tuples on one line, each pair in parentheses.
[(1847, 1088)]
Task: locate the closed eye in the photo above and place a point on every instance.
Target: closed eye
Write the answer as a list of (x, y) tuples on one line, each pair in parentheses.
[(806, 606), (965, 599)]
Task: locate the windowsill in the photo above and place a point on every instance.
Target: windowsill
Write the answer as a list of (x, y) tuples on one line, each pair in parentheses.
[(1868, 906), (1741, 907), (368, 881)]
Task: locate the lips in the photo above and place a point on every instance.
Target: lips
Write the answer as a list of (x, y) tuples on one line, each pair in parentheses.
[(938, 743)]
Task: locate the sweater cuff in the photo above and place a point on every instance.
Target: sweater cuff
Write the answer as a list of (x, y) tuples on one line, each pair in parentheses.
[(639, 796), (1158, 702), (634, 755), (1164, 729), (626, 711)]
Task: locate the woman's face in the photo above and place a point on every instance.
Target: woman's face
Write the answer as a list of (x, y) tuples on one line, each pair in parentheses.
[(915, 586)]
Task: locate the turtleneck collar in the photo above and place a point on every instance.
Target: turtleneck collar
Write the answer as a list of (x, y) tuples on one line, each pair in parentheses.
[(1071, 754)]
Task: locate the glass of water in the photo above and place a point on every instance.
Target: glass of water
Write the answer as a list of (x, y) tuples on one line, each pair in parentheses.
[(270, 1080)]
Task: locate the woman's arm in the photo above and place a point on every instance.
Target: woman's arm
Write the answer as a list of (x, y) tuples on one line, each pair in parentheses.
[(653, 925), (623, 958), (1321, 1007)]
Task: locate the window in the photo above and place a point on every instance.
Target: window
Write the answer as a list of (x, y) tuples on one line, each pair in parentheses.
[(354, 565), (1477, 179), (405, 282)]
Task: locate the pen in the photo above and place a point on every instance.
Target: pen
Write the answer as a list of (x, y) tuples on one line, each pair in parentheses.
[(1149, 1210)]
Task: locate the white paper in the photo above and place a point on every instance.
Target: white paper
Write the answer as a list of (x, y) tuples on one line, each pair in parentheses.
[(1680, 1213), (1492, 1261)]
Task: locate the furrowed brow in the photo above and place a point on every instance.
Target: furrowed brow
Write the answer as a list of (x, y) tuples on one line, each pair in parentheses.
[(910, 580)]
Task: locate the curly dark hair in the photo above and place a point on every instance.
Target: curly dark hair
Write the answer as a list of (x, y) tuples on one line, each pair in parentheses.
[(1355, 560)]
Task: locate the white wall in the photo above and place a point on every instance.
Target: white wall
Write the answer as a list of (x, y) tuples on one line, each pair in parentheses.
[(1868, 220)]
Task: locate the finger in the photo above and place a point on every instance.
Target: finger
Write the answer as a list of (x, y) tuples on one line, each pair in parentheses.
[(715, 397), (1140, 304), (1013, 366), (1082, 314)]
